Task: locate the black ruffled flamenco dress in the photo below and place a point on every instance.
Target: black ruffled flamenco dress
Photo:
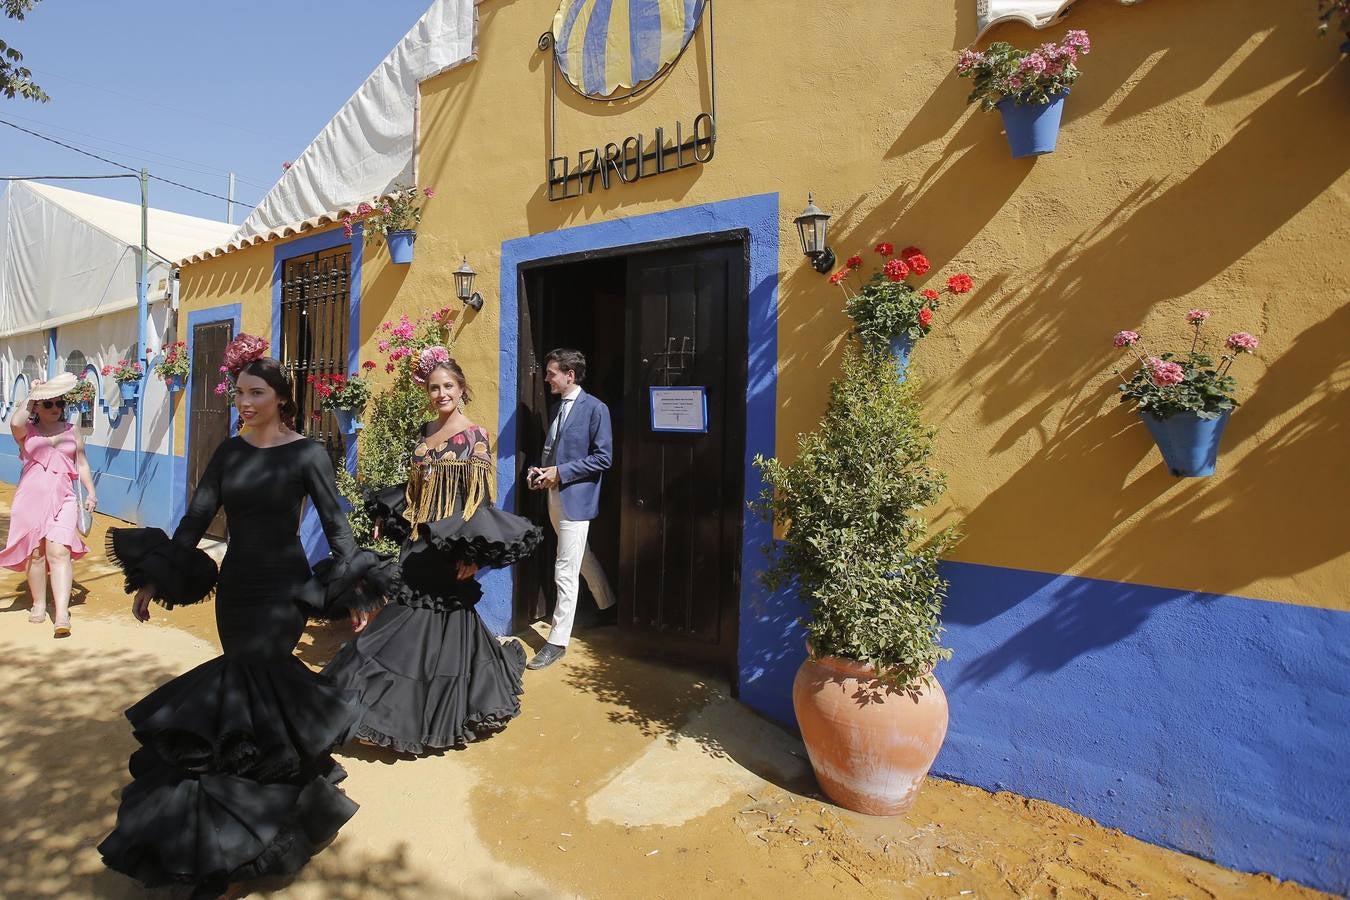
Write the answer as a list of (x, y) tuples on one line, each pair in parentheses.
[(429, 673), (233, 778)]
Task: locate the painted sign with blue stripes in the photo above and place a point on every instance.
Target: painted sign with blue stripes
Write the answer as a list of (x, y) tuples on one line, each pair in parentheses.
[(605, 45)]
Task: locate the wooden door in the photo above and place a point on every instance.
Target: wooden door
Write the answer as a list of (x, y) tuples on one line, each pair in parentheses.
[(210, 423), (679, 584)]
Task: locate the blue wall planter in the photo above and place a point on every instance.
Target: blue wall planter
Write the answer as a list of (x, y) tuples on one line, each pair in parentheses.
[(174, 383), (401, 246), (902, 346), (130, 391), (1189, 444), (1032, 128), (346, 420)]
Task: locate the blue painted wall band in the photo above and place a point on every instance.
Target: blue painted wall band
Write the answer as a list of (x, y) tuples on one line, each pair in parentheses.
[(1208, 723)]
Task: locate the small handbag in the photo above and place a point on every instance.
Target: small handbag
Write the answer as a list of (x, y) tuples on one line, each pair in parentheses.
[(85, 522)]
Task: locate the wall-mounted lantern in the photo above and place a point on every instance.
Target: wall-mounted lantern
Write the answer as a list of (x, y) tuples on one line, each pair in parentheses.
[(464, 286), (811, 227)]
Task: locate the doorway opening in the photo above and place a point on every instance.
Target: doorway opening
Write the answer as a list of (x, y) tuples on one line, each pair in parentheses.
[(670, 525)]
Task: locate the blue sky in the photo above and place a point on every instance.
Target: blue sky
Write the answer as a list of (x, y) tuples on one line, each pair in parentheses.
[(191, 89)]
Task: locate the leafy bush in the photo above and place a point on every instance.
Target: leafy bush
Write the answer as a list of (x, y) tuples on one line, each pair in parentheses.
[(394, 414), (856, 548)]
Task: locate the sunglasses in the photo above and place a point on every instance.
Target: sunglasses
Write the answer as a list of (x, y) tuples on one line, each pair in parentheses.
[(49, 404)]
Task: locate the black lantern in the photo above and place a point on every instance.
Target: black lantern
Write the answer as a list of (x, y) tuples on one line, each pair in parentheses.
[(464, 286), (811, 227)]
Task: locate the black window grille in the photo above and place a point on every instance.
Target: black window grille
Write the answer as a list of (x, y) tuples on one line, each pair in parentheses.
[(315, 295), (76, 362)]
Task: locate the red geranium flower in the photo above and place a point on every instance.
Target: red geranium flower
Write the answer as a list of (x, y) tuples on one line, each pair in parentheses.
[(925, 318), (854, 261), (918, 263), (885, 249), (929, 293), (960, 283), (367, 365), (839, 276), (895, 269), (906, 253)]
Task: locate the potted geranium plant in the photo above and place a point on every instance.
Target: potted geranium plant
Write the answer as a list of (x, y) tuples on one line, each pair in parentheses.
[(395, 216), (888, 311), (174, 367), (343, 395), (1185, 399), (1027, 86), (857, 551), (81, 396), (127, 373)]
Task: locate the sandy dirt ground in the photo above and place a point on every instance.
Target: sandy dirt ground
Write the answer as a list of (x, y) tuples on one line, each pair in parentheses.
[(622, 778)]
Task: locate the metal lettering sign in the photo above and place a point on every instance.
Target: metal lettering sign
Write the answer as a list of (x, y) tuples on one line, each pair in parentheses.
[(612, 51), (633, 158)]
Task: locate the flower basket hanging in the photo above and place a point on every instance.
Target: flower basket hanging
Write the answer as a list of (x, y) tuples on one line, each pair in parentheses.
[(345, 396), (1185, 400), (888, 311), (81, 396), (1027, 87), (127, 373), (395, 217), (174, 367), (401, 246)]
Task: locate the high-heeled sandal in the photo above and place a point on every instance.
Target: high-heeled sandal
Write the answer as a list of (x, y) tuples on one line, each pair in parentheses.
[(37, 616), (60, 631)]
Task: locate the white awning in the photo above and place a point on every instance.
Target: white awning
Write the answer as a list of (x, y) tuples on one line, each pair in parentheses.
[(368, 146), (66, 256)]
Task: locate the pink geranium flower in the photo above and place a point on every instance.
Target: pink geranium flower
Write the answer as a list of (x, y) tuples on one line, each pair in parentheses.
[(1125, 339), (1165, 373), (1197, 316), (1241, 342)]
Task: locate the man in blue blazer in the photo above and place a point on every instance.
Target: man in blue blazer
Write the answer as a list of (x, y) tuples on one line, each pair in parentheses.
[(578, 448)]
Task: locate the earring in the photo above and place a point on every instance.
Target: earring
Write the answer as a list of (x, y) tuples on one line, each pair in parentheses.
[(459, 404)]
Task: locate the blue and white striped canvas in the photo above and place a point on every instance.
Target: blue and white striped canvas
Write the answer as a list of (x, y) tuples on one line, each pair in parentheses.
[(605, 45)]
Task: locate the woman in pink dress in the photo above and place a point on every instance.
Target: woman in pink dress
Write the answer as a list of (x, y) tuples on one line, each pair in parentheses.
[(43, 535)]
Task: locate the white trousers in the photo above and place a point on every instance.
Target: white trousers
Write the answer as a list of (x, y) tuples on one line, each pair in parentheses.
[(574, 558)]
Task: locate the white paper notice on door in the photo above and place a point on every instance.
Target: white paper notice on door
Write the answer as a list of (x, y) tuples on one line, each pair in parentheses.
[(679, 409)]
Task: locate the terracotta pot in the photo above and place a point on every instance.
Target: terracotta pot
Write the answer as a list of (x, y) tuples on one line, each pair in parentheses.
[(870, 746)]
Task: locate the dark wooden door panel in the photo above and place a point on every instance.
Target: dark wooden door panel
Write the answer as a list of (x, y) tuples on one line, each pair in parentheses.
[(681, 516), (210, 424)]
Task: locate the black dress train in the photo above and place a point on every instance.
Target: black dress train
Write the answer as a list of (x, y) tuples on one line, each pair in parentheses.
[(233, 778), (429, 673)]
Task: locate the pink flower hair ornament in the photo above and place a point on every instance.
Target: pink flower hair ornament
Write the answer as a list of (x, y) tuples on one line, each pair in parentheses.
[(427, 361), (238, 353)]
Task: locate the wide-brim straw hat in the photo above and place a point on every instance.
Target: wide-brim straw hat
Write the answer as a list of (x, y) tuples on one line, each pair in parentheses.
[(56, 386)]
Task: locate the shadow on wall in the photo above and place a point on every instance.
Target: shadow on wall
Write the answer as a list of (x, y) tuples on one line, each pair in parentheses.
[(1168, 237)]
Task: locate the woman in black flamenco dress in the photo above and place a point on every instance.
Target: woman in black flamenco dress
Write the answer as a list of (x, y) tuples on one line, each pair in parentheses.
[(429, 673), (233, 778)]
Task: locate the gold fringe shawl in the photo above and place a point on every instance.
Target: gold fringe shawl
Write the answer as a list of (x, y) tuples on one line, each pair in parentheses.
[(438, 488)]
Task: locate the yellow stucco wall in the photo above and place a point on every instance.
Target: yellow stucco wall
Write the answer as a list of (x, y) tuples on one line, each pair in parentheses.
[(1202, 163)]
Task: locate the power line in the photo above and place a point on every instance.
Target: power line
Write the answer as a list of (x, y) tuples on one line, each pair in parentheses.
[(60, 177), (121, 165), (142, 99), (197, 168)]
